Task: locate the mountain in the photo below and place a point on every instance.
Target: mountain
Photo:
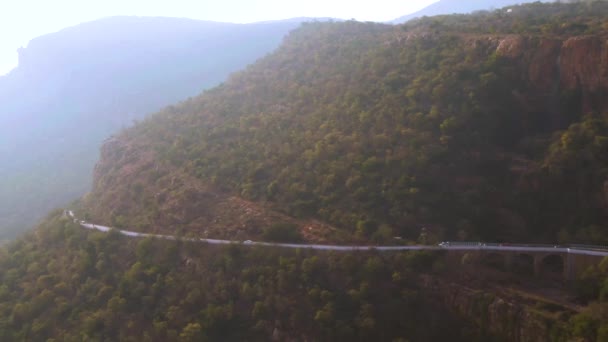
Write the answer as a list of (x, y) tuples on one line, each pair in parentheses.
[(485, 126), (73, 88), (472, 127), (443, 7)]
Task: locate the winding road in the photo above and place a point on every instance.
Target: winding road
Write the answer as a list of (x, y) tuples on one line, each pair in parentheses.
[(599, 251)]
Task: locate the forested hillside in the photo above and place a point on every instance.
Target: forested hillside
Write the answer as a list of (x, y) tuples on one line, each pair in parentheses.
[(73, 88), (489, 126)]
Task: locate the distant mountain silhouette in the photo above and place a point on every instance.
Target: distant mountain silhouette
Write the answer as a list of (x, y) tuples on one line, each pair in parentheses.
[(73, 88), (458, 6)]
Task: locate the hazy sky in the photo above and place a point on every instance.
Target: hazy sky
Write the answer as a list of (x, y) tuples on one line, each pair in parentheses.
[(22, 20)]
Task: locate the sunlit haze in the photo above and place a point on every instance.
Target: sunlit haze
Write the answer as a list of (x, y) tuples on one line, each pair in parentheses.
[(20, 21)]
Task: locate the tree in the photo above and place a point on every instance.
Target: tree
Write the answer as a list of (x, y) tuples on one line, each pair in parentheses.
[(191, 333)]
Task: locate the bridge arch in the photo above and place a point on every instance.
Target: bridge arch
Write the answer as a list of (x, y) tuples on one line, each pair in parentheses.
[(494, 260), (523, 264), (552, 265)]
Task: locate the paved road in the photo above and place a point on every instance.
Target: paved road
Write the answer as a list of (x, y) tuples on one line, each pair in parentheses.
[(461, 246)]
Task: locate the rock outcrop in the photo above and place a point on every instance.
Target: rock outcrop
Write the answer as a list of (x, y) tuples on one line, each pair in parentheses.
[(557, 68)]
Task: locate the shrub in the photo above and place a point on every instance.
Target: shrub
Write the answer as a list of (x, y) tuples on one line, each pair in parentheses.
[(282, 232)]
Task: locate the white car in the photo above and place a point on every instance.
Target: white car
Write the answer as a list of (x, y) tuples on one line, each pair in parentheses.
[(247, 242)]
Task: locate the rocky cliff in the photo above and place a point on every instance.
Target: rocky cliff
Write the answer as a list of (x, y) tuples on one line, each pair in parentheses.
[(556, 67)]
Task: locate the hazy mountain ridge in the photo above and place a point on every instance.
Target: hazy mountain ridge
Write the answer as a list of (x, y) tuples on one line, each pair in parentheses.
[(443, 7), (457, 124), (74, 88)]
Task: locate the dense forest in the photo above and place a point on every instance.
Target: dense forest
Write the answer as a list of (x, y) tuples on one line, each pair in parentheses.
[(489, 126), (65, 283)]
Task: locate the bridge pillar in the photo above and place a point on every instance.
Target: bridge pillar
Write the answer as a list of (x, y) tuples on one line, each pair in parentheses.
[(575, 264)]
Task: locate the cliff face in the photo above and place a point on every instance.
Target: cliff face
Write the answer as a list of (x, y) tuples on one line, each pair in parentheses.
[(557, 67), (583, 64)]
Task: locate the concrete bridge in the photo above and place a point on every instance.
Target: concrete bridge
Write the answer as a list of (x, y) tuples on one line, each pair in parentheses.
[(538, 260), (542, 260)]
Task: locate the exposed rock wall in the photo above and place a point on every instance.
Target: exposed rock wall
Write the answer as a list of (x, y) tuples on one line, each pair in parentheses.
[(556, 66)]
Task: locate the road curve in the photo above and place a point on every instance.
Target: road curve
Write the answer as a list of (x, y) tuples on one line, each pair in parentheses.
[(456, 246)]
